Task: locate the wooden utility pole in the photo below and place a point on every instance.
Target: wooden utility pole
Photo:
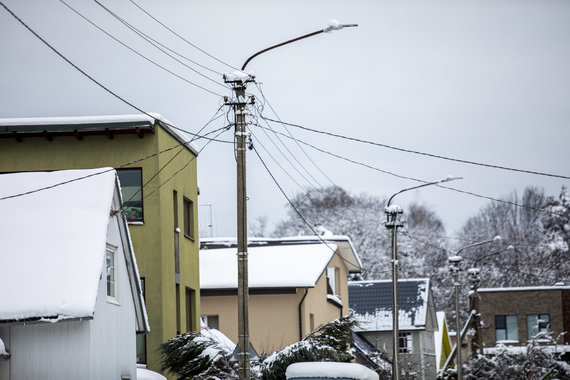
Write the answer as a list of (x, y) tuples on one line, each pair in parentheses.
[(238, 81)]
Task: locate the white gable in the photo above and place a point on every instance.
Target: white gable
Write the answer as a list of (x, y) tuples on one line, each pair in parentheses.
[(295, 265), (53, 242)]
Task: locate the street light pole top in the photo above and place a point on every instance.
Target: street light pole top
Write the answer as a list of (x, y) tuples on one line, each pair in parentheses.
[(454, 260), (335, 25)]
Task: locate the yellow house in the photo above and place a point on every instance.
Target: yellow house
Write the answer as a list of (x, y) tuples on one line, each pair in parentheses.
[(295, 285), (157, 171)]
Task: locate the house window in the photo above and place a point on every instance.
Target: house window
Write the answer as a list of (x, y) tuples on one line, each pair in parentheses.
[(332, 281), (506, 328), (212, 321), (188, 218), (537, 323), (141, 337), (406, 343), (111, 271), (131, 191), (190, 302)]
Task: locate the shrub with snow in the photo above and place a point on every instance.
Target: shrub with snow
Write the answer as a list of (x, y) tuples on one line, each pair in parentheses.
[(195, 356), (330, 342)]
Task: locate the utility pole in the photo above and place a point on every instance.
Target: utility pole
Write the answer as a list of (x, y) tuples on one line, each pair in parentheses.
[(454, 268), (238, 81), (475, 279), (392, 223)]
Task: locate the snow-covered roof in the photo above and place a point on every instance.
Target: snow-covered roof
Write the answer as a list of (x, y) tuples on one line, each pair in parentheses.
[(371, 304), (279, 266), (53, 243), (342, 242), (85, 124), (523, 289)]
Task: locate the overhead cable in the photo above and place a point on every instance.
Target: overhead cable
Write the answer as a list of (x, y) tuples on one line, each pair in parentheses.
[(420, 153), (179, 36), (128, 47)]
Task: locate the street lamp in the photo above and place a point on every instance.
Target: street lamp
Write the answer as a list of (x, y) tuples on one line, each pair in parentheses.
[(238, 80), (393, 221), (454, 269)]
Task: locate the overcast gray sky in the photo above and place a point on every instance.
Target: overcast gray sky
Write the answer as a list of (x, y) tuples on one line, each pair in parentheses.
[(485, 81)]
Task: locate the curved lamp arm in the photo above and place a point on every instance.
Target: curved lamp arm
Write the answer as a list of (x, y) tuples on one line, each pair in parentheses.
[(334, 25)]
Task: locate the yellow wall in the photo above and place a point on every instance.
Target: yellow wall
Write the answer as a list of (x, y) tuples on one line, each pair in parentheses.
[(153, 242), (274, 318)]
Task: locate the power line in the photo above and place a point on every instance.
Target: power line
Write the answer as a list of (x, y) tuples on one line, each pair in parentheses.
[(295, 158), (156, 44), (289, 132), (420, 153), (128, 47), (418, 180), (179, 36), (105, 171), (297, 211)]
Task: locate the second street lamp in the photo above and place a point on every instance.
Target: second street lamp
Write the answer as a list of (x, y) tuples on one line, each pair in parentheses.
[(238, 80), (393, 222)]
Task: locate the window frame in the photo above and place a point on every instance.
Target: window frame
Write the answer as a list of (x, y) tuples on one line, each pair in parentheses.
[(508, 322), (112, 284), (530, 329), (141, 337), (140, 192), (332, 283), (214, 317), (188, 216), (407, 338)]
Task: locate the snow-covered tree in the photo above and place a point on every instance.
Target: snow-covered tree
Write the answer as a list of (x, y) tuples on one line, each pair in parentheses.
[(196, 356), (538, 232), (329, 342), (362, 218)]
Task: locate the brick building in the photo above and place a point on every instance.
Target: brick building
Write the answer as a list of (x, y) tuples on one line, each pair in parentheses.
[(515, 316)]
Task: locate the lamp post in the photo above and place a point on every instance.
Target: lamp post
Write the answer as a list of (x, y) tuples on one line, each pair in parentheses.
[(454, 269), (393, 221), (238, 80)]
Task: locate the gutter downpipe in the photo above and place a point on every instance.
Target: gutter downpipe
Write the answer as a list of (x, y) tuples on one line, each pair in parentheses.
[(300, 314)]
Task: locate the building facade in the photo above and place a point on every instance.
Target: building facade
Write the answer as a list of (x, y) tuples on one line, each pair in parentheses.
[(515, 316), (371, 304), (157, 171), (72, 299), (295, 285)]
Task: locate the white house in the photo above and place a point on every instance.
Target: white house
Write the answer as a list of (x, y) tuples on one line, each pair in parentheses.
[(71, 299)]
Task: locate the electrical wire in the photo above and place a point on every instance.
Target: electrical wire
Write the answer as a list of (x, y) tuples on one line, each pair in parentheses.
[(420, 153), (158, 45), (258, 85), (297, 210), (126, 46), (179, 36), (105, 171), (296, 159), (418, 180)]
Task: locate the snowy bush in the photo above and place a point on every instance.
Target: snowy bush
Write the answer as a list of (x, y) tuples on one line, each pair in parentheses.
[(511, 362), (330, 342), (195, 356)]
